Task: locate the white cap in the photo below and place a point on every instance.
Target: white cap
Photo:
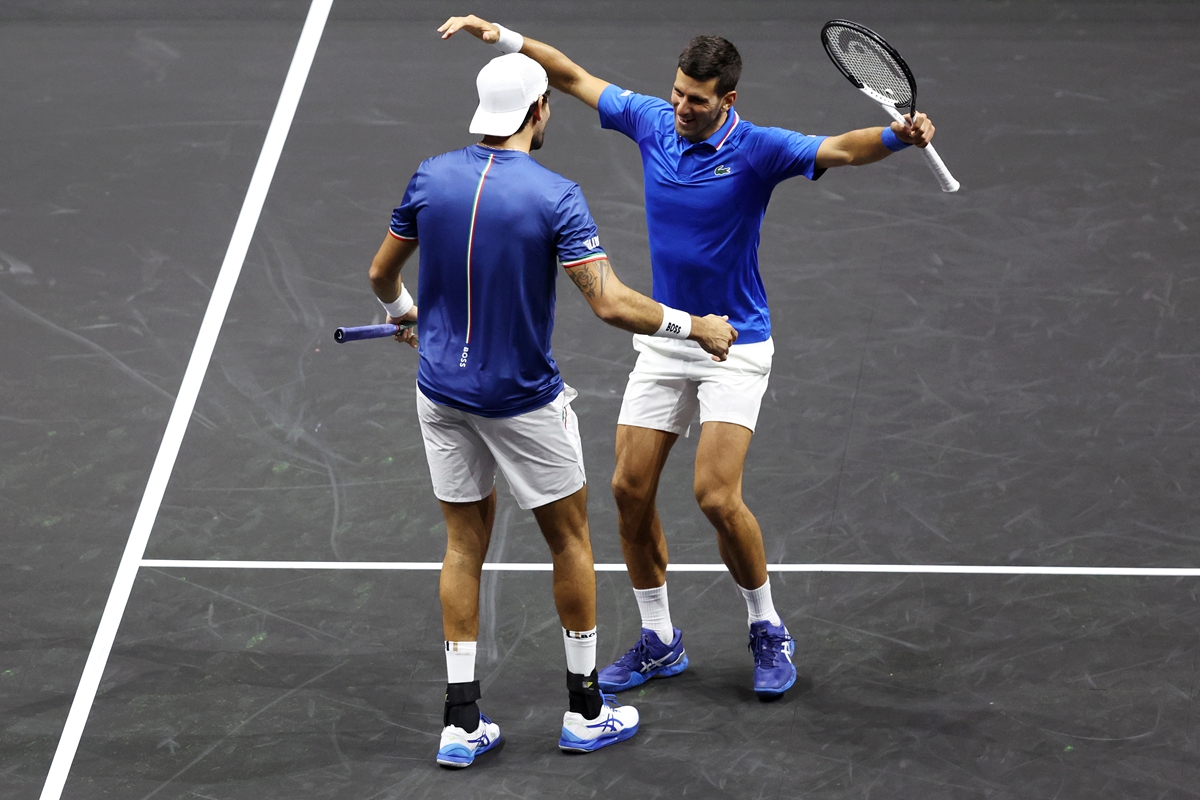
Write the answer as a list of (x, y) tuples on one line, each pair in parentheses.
[(508, 85)]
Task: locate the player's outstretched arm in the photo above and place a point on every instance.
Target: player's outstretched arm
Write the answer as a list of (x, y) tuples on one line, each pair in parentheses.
[(565, 75), (385, 281), (624, 308), (867, 145)]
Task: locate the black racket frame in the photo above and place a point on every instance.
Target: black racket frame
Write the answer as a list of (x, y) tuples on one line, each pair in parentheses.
[(875, 37)]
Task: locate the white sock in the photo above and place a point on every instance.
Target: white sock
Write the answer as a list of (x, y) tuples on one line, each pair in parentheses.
[(581, 651), (460, 662), (759, 605), (656, 612)]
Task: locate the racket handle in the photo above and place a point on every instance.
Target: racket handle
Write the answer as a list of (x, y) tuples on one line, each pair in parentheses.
[(343, 335), (936, 165)]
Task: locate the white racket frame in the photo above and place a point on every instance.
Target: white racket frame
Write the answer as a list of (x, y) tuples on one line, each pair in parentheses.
[(936, 165)]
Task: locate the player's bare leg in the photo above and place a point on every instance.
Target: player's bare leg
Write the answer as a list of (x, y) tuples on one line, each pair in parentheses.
[(659, 653), (720, 461), (564, 525), (468, 533), (641, 455)]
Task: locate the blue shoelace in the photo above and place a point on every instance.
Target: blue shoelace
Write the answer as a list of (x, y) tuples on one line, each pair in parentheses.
[(633, 659), (766, 647)]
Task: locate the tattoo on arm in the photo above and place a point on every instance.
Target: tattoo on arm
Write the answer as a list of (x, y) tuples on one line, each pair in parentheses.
[(590, 278)]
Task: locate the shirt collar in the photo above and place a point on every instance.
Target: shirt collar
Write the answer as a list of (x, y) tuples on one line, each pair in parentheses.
[(498, 152), (721, 137)]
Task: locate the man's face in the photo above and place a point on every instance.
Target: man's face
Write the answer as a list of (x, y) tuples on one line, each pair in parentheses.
[(697, 106), (539, 127)]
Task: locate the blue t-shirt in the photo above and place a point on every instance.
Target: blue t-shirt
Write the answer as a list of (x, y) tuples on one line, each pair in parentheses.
[(493, 225), (705, 204)]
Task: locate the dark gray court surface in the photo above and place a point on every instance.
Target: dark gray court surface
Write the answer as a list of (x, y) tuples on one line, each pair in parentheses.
[(1009, 376)]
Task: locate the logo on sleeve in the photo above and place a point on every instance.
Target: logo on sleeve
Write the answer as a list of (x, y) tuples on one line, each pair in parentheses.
[(625, 93), (592, 243), (722, 170)]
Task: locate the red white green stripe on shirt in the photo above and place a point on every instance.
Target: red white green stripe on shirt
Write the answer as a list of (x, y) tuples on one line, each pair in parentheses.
[(588, 259), (471, 238)]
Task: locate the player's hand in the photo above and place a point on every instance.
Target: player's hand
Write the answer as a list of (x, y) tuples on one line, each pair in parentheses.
[(918, 131), (406, 335), (479, 28), (714, 334)]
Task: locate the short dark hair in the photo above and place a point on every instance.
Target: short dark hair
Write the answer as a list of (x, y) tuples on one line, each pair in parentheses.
[(708, 57), (532, 106)]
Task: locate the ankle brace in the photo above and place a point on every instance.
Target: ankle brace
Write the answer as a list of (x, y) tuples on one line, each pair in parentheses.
[(461, 710), (584, 694)]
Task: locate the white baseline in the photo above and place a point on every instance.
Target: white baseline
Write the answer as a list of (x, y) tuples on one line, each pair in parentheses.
[(520, 566)]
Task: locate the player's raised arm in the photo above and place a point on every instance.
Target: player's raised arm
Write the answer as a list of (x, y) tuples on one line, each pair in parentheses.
[(565, 75), (624, 308), (867, 145)]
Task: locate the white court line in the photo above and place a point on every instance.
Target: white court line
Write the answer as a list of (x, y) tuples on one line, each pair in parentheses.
[(185, 401), (517, 566)]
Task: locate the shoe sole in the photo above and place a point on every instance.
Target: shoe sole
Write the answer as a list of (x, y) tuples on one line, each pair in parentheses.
[(460, 757), (770, 694), (596, 744), (638, 679)]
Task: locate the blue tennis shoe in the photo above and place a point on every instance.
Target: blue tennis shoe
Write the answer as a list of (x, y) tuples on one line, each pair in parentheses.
[(647, 659), (773, 648)]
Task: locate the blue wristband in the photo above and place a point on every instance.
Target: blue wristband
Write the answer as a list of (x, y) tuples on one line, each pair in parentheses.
[(891, 142)]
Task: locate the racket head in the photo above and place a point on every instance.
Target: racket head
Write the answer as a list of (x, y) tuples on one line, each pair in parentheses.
[(870, 63)]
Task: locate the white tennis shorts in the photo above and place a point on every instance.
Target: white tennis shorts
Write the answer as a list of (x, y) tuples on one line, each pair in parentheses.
[(672, 378), (539, 452)]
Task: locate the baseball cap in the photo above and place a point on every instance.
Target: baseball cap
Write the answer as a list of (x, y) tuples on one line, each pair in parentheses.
[(507, 86)]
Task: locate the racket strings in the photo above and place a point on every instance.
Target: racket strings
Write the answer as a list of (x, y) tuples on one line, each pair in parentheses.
[(867, 62)]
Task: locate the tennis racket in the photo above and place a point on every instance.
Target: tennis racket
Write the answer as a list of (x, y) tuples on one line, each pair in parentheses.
[(874, 66), (343, 335)]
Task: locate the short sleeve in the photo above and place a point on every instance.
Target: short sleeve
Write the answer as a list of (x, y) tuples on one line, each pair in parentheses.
[(578, 240), (778, 154), (635, 115), (404, 216)]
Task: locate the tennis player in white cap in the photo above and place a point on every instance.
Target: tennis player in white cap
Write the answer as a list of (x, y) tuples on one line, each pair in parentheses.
[(493, 226)]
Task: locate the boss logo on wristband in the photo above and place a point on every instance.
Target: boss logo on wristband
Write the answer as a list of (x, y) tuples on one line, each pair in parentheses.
[(675, 324)]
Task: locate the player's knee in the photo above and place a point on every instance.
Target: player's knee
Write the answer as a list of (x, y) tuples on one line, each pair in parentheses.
[(718, 502), (568, 539), (630, 491)]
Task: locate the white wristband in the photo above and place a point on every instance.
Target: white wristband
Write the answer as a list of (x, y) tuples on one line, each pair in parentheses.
[(509, 41), (676, 324), (401, 305)]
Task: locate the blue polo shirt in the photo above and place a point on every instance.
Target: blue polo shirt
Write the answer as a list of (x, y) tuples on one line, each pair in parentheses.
[(493, 226), (705, 204)]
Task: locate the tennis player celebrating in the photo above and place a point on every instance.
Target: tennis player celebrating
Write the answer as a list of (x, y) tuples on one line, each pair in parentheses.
[(709, 175), (493, 224)]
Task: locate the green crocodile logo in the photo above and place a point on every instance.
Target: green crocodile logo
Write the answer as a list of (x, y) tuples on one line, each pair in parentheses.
[(722, 170)]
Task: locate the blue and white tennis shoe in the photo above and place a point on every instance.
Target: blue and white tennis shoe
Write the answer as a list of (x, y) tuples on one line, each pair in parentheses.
[(459, 748), (773, 648), (616, 723), (649, 658)]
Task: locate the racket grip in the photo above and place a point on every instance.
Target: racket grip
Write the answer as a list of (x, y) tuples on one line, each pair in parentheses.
[(936, 165), (343, 335)]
